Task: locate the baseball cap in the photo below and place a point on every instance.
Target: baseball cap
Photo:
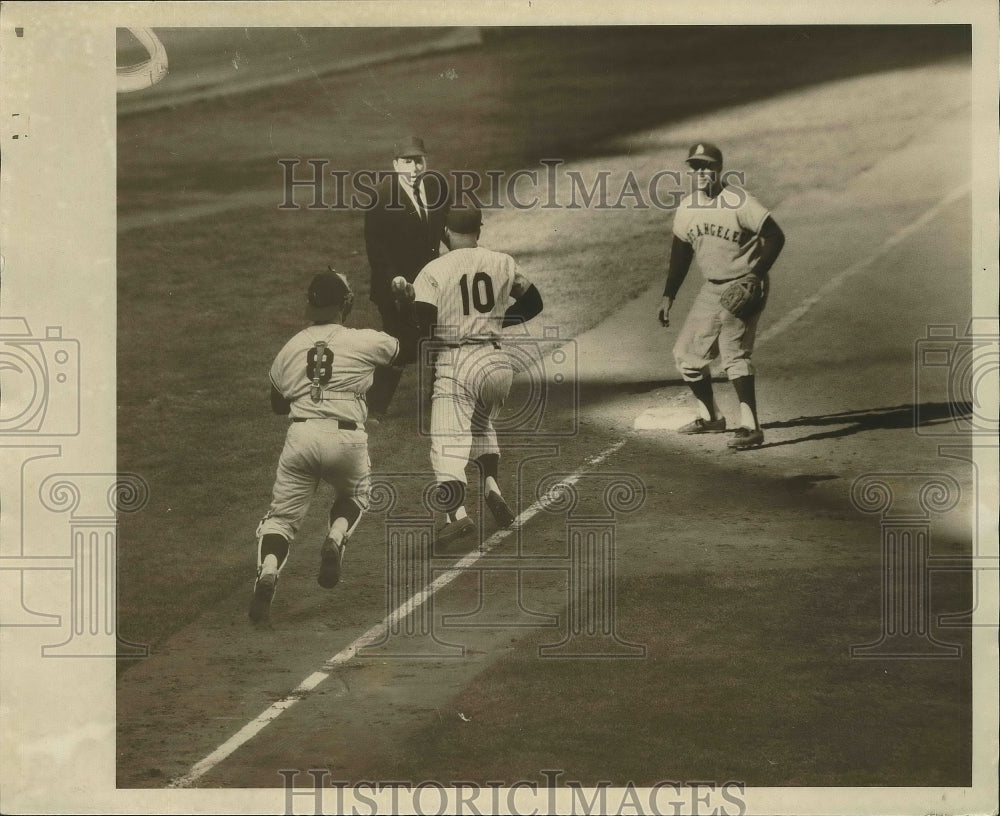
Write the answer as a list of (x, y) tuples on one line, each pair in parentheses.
[(409, 148), (328, 293), (704, 151), (465, 220)]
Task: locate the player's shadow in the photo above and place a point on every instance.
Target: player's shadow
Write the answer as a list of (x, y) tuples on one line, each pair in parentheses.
[(898, 417)]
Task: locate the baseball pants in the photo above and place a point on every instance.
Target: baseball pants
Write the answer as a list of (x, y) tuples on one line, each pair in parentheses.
[(710, 332), (471, 384), (316, 450)]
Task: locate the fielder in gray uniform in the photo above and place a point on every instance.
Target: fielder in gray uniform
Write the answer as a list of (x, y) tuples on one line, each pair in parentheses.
[(731, 235), (461, 301), (319, 379)]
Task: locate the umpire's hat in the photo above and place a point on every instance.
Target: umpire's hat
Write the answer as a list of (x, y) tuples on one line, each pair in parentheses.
[(704, 152), (409, 148), (329, 296)]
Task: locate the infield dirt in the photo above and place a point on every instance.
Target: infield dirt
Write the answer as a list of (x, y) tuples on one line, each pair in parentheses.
[(745, 578)]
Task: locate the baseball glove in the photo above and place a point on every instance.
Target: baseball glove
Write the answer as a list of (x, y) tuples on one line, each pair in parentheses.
[(745, 297)]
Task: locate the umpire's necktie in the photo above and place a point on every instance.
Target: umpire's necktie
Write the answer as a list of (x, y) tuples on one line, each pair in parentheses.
[(419, 201)]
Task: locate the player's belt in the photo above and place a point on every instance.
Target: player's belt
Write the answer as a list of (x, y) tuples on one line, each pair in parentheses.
[(494, 343), (343, 424)]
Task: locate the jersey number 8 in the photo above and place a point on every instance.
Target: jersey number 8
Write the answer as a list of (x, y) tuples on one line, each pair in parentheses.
[(319, 368)]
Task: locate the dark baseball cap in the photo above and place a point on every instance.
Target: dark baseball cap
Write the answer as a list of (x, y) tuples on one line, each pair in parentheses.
[(704, 152), (328, 293), (465, 220), (409, 148)]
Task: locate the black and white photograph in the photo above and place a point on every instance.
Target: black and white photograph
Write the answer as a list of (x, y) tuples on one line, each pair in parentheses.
[(499, 408)]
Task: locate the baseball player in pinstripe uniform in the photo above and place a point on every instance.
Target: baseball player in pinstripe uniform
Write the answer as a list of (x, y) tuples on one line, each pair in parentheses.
[(731, 235), (462, 300), (319, 379)]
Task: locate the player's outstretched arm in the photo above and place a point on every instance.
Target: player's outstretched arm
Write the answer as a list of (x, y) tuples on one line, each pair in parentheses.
[(409, 340), (772, 241), (527, 302)]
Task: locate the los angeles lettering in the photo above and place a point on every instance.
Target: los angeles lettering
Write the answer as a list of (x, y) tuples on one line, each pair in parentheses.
[(714, 230)]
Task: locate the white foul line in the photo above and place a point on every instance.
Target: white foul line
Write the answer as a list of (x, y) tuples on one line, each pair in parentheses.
[(894, 240), (376, 633)]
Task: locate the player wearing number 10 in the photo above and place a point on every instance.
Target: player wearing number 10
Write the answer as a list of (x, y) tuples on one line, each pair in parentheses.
[(461, 301), (319, 378)]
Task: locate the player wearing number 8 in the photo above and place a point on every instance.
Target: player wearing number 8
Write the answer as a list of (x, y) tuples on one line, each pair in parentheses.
[(319, 379), (461, 302)]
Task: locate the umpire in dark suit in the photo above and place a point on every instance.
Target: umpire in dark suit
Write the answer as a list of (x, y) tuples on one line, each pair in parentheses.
[(404, 229)]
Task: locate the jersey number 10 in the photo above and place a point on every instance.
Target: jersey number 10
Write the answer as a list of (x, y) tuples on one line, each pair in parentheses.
[(481, 293)]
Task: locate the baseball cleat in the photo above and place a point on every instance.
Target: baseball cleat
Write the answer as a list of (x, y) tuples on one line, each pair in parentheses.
[(331, 556), (700, 426), (498, 507), (455, 531), (263, 592), (747, 438)]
